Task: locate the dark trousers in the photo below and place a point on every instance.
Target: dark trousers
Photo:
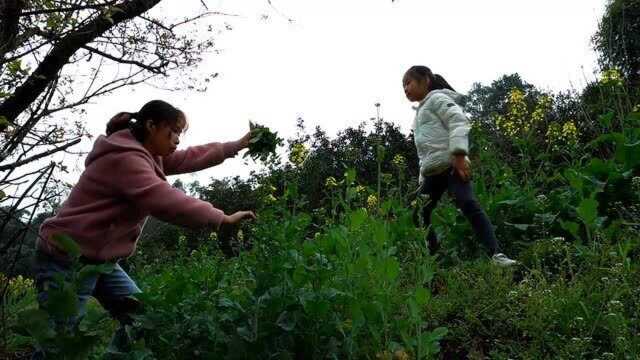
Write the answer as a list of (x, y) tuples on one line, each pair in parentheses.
[(462, 193)]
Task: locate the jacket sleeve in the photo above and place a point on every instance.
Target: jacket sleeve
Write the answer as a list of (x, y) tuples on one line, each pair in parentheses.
[(140, 184), (455, 119), (196, 158)]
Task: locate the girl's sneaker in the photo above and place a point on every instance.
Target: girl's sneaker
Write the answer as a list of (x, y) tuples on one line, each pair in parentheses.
[(501, 259)]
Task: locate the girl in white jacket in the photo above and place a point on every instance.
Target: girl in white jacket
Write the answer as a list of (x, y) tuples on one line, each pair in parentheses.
[(441, 131)]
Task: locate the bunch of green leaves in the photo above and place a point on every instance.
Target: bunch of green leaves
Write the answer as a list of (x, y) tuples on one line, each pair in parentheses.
[(263, 142)]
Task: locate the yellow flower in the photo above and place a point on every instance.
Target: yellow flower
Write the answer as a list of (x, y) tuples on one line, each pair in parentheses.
[(517, 106), (361, 189), (384, 355), (400, 355), (542, 108), (331, 182), (570, 132), (506, 126), (270, 199), (518, 121), (611, 77), (372, 201), (18, 285), (399, 161), (298, 154), (562, 135)]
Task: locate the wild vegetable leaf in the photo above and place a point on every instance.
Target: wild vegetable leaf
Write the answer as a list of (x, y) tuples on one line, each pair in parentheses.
[(67, 244), (588, 210), (571, 227), (263, 142), (36, 323), (88, 271), (422, 296), (63, 303)]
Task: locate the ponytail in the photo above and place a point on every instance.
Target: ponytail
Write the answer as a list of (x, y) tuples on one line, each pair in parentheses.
[(422, 73), (156, 111), (120, 121), (439, 83)]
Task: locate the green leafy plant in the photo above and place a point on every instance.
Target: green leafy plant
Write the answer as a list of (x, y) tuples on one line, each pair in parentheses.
[(263, 142), (55, 327)]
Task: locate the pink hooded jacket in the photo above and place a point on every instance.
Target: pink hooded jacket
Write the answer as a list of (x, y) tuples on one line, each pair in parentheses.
[(121, 185)]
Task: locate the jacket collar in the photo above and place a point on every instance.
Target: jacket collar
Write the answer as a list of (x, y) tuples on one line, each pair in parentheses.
[(423, 101)]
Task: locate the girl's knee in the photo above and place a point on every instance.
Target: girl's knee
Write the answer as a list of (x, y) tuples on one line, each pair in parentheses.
[(469, 206), (122, 307)]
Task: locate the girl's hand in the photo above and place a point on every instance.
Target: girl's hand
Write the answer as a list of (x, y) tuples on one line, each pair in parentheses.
[(244, 141), (461, 166), (238, 216)]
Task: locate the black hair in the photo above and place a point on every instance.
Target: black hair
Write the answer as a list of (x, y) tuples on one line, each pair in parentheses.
[(422, 73), (156, 111)]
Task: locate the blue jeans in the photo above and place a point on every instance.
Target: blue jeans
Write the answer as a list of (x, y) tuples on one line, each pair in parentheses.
[(113, 291), (463, 196)]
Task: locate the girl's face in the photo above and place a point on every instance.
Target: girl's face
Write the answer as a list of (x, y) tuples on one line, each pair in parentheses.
[(163, 138), (414, 89)]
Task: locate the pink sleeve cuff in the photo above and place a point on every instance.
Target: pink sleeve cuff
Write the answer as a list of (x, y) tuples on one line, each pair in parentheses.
[(218, 217)]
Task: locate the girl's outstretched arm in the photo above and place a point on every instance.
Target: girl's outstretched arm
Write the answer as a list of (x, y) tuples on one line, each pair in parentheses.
[(196, 158), (153, 195)]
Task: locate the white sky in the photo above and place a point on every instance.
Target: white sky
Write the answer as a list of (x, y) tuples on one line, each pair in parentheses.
[(339, 57)]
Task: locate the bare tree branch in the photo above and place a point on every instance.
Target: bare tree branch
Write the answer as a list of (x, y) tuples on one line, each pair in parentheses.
[(24, 130), (62, 51), (154, 69), (67, 9), (39, 156)]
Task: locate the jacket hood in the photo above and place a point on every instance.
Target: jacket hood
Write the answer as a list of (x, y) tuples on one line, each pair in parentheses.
[(457, 97), (118, 142)]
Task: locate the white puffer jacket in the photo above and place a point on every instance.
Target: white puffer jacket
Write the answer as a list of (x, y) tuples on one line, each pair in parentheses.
[(441, 129)]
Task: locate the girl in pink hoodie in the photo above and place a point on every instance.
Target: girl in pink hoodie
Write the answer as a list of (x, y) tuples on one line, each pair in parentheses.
[(124, 181)]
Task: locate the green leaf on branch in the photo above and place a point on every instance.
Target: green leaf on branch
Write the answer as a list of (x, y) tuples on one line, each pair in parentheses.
[(67, 244), (606, 119), (35, 322), (4, 123), (88, 271), (588, 210), (571, 227), (63, 302)]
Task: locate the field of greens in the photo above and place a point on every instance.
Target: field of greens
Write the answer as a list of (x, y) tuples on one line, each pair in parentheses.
[(336, 265)]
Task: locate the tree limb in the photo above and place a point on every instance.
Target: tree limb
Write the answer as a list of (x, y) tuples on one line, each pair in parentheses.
[(9, 10), (38, 156), (154, 69), (60, 54), (67, 9)]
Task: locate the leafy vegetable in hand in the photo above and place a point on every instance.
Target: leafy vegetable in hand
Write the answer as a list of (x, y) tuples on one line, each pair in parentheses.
[(263, 142)]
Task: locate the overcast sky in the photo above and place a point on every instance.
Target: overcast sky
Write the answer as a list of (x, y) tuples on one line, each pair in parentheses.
[(337, 58)]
